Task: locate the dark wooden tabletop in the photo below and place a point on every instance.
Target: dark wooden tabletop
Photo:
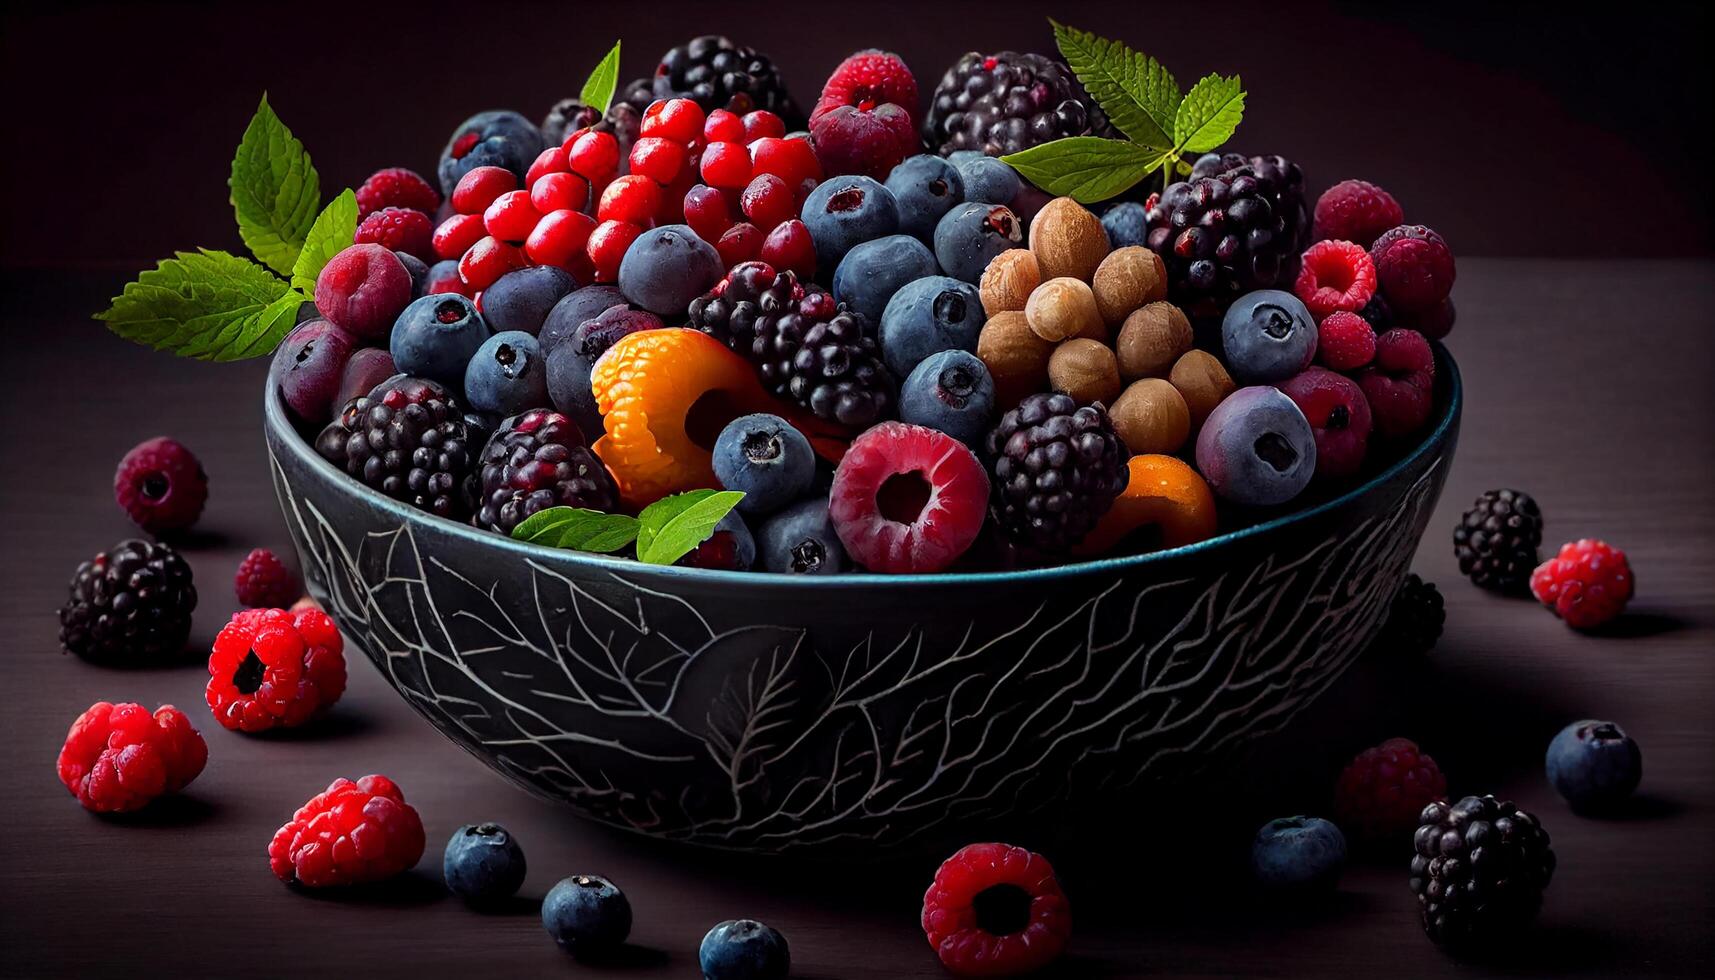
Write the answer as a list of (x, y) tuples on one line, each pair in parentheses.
[(1589, 385)]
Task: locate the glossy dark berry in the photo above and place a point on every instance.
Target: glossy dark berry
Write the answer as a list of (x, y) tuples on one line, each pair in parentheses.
[(1057, 467), (1496, 541), (483, 864), (128, 605), (1479, 872), (587, 915), (532, 462), (1594, 764), (744, 949), (718, 74), (408, 439), (1006, 102), (1414, 619)]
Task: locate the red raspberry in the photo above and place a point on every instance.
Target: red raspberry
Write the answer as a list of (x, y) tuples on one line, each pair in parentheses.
[(161, 486), (1335, 276), (264, 581), (679, 120), (632, 198), (760, 123), (1381, 792), (511, 217), (351, 834), (726, 165), (1400, 385), (488, 260), (396, 187), (995, 910), (1355, 211), (549, 161), (723, 127), (792, 160), (767, 201), (866, 80), (457, 234), (1587, 584), (908, 499), (1414, 267), (740, 243), (1339, 417), (850, 140), (477, 189), (607, 245), (274, 669), (789, 248), (1436, 323), (593, 155), (399, 229), (559, 238), (706, 211), (1345, 341), (118, 757)]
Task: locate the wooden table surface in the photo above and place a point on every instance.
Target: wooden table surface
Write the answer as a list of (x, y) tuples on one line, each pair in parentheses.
[(1589, 386)]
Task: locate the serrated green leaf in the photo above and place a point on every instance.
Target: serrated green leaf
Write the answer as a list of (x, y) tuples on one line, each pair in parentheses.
[(578, 529), (670, 527), (603, 81), (205, 304), (332, 231), (1139, 95), (275, 190), (1086, 168), (1208, 114)]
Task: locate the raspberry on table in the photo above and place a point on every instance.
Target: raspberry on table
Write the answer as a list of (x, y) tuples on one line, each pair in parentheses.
[(1355, 211), (351, 834), (1345, 341), (996, 910), (1588, 583), (396, 187), (400, 230), (1381, 792), (118, 757), (161, 485), (271, 668), (1336, 275), (265, 581), (1414, 268)]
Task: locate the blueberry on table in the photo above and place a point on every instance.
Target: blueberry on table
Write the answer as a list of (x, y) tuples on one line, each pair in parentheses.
[(1298, 853), (1594, 764), (744, 949), (483, 864), (587, 915)]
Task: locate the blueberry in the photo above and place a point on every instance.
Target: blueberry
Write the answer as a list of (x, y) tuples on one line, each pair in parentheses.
[(971, 234), (926, 316), (1268, 336), (766, 459), (496, 138), (744, 949), (1126, 224), (989, 180), (569, 389), (1299, 853), (1594, 764), (800, 540), (483, 864), (418, 269), (952, 392), (958, 158), (667, 267), (436, 337), (507, 375), (571, 311), (924, 187), (873, 271), (307, 369), (587, 915), (521, 299), (843, 211), (1256, 448)]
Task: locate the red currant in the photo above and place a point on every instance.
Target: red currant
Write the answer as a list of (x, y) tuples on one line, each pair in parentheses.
[(559, 237), (549, 161), (791, 160), (726, 165), (488, 260), (723, 127), (511, 217), (763, 123), (632, 198), (789, 246), (706, 211), (607, 245), (741, 243), (477, 189), (457, 234), (679, 120), (768, 201), (594, 155), (555, 192), (657, 158)]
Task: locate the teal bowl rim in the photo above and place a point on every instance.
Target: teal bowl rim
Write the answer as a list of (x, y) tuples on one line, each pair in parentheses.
[(283, 433)]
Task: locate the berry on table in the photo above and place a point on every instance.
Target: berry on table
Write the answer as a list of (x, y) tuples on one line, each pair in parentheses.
[(869, 274), (306, 370), (1496, 541), (1257, 448), (951, 392), (1400, 384), (398, 229), (1345, 341), (351, 834), (263, 581), (844, 211), (666, 268), (479, 188), (535, 461), (1414, 268), (1479, 872), (520, 299), (801, 540), (436, 336), (924, 188), (1056, 468), (1588, 583), (1339, 417), (587, 915), (1382, 790), (506, 375), (1355, 211), (396, 187), (161, 485), (908, 499), (766, 459), (130, 604), (968, 236), (1268, 336), (1335, 275), (1594, 765), (744, 949), (1415, 618), (119, 757), (362, 289), (408, 439), (1301, 854), (996, 910), (483, 864), (926, 316), (275, 669)]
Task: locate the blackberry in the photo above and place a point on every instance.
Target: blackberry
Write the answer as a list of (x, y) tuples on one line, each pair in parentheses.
[(532, 462), (1496, 541), (718, 74), (407, 438), (1006, 102), (568, 115), (806, 348), (1479, 872), (1415, 619), (130, 604), (1057, 469), (1377, 313), (1235, 226)]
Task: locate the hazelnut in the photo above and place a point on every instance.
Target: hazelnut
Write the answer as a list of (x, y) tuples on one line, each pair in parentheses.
[(1068, 240), (1062, 308), (1085, 369), (1152, 417), (1127, 279), (1203, 382), (1017, 359), (1151, 339), (1009, 280)]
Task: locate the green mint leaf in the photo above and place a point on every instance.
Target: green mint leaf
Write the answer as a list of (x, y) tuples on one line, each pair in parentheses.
[(1087, 168), (670, 527), (1138, 94), (206, 304), (577, 529), (333, 230), (1209, 114), (275, 190), (603, 81)]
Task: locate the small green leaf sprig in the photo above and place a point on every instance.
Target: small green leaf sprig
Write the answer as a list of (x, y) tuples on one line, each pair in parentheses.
[(663, 532)]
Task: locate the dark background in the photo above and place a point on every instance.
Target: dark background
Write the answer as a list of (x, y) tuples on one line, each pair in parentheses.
[(1515, 129)]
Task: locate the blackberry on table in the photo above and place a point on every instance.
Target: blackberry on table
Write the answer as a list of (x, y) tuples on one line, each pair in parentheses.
[(1415, 618), (535, 461), (407, 438), (1006, 102), (718, 74), (1496, 541), (130, 604), (1479, 872), (1057, 467)]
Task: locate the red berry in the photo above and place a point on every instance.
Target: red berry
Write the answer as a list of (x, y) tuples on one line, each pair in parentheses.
[(850, 140), (559, 191), (264, 581), (607, 245), (161, 485), (1345, 341), (767, 201), (657, 158), (398, 230), (488, 260), (792, 160), (740, 243), (511, 217), (353, 833), (1400, 383), (1588, 583), (1355, 211), (457, 234), (559, 238), (1339, 417), (1435, 323), (789, 248), (908, 499), (118, 757), (443, 277), (723, 127), (1381, 792), (632, 198), (1414, 268), (362, 290), (679, 120), (594, 155), (549, 161), (996, 910), (726, 165), (274, 669), (396, 187), (1335, 276), (477, 189), (866, 80), (706, 211), (671, 211), (763, 123)]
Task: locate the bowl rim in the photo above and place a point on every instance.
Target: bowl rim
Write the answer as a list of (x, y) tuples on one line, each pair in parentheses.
[(281, 431)]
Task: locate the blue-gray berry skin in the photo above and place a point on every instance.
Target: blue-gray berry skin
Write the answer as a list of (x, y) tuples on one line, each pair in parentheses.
[(569, 389), (973, 233), (667, 267), (1594, 764), (924, 188), (573, 309), (872, 272), (958, 157), (436, 336), (1127, 223), (927, 316), (1268, 336), (744, 949), (483, 864), (952, 392), (989, 180), (1256, 448), (801, 540), (1298, 853), (521, 299), (507, 375), (844, 211), (504, 139), (587, 915), (418, 270), (743, 542), (766, 459)]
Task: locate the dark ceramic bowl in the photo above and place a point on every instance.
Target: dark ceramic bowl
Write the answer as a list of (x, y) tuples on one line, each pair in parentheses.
[(769, 712)]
